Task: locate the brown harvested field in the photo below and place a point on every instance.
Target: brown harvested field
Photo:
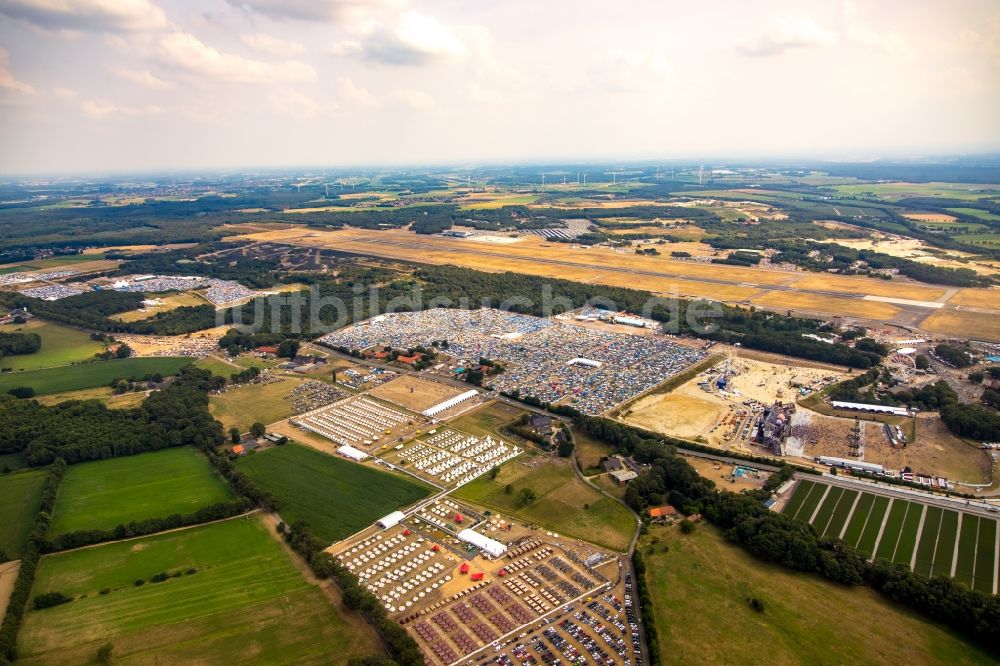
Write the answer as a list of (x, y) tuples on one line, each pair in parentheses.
[(850, 307), (640, 230), (723, 477), (977, 298), (930, 217), (680, 413), (859, 284), (658, 274), (935, 451), (167, 303), (104, 394), (414, 393), (979, 325), (8, 574)]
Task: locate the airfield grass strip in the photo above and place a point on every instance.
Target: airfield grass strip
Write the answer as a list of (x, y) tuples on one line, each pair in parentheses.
[(945, 552), (801, 492), (870, 535), (858, 520), (967, 549), (985, 556), (908, 535), (839, 517), (928, 541)]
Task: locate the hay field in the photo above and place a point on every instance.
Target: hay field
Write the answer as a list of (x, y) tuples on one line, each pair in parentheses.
[(964, 324), (244, 601), (168, 302), (930, 217), (977, 298), (414, 393), (102, 393), (695, 579), (106, 493), (242, 406), (8, 576), (845, 307)]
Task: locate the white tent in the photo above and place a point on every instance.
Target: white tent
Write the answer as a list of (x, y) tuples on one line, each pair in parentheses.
[(352, 453), (394, 518), (483, 543)]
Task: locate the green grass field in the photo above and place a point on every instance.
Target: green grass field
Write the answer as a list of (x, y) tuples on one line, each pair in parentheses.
[(106, 493), (217, 367), (242, 406), (896, 191), (976, 212), (487, 420), (20, 497), (985, 240), (90, 375), (565, 504), (336, 497), (12, 268), (61, 345), (700, 588), (246, 603), (902, 531)]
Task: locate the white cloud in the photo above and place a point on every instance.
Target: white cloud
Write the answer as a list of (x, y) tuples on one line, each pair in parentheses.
[(856, 32), (64, 93), (415, 100), (273, 46), (412, 39), (186, 52), (143, 77), (315, 10), (7, 79), (786, 33), (99, 110), (351, 94), (87, 15), (299, 106), (484, 95)]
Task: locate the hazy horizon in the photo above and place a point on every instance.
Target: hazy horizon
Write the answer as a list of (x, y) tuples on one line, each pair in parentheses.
[(144, 86)]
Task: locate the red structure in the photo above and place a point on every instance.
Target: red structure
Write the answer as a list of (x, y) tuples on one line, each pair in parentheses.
[(464, 569), (477, 576)]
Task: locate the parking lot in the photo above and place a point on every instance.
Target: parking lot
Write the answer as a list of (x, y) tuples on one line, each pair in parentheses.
[(551, 360)]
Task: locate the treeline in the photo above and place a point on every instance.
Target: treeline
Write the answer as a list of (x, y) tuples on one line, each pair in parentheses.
[(17, 344), (29, 563), (94, 310), (778, 539), (403, 649), (87, 430), (217, 511)]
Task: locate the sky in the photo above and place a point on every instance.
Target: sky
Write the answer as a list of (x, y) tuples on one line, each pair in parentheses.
[(118, 85)]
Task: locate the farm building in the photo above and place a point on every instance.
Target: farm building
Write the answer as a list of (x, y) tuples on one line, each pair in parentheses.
[(623, 476), (662, 512)]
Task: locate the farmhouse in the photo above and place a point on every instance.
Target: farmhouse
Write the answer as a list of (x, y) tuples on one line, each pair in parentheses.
[(623, 476)]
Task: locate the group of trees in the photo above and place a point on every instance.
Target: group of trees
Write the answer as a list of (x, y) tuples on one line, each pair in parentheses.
[(88, 430), (16, 344), (954, 355)]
